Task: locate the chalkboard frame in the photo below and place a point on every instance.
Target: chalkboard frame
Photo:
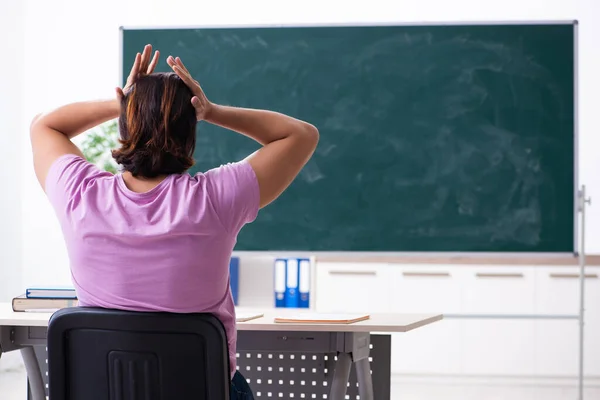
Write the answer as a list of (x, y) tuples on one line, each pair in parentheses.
[(304, 253)]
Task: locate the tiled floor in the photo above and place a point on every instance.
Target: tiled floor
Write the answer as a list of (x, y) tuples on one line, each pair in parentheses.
[(12, 387), (421, 391)]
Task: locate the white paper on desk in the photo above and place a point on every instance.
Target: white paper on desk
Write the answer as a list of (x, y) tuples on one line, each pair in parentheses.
[(247, 316), (341, 318), (42, 310)]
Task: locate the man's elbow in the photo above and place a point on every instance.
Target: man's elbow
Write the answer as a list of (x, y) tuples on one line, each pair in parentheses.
[(312, 134), (34, 121)]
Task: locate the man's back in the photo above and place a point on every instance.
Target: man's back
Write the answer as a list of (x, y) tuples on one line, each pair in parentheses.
[(167, 249)]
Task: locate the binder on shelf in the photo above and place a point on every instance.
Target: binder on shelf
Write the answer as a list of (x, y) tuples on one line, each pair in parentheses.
[(304, 284), (234, 278), (279, 271), (291, 283)]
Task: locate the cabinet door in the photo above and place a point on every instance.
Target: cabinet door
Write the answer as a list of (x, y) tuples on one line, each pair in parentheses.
[(353, 287), (557, 341), (427, 289), (592, 323), (499, 290), (433, 349), (501, 347), (498, 347)]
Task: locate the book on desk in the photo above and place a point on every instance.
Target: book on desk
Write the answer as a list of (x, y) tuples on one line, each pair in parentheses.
[(55, 292), (23, 303)]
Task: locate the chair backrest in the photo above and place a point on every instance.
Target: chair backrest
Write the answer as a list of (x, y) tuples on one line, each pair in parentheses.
[(96, 353)]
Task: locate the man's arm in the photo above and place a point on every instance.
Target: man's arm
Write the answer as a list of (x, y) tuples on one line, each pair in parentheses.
[(288, 144), (51, 133)]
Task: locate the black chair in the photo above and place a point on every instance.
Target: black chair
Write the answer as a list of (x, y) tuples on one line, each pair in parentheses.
[(102, 354)]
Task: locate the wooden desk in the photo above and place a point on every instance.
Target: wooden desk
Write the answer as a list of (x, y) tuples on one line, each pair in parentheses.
[(320, 347)]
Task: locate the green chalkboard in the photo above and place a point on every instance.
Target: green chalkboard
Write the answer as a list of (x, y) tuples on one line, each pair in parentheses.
[(433, 138)]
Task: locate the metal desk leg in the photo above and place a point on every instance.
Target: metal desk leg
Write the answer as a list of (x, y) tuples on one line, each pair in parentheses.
[(365, 381), (36, 383), (358, 344), (341, 374)]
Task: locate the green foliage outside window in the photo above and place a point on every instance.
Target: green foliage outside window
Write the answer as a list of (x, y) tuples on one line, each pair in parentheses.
[(97, 144)]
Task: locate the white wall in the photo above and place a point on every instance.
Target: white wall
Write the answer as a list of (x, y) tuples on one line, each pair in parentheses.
[(11, 77), (71, 52), (11, 272)]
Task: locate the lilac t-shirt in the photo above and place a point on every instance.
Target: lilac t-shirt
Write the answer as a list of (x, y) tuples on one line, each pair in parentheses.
[(164, 250)]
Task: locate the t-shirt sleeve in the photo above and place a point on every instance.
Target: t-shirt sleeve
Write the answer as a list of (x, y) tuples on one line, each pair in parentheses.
[(234, 193), (68, 178)]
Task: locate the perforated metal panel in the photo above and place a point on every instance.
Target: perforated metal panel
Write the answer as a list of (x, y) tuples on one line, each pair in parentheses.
[(293, 375), (305, 375)]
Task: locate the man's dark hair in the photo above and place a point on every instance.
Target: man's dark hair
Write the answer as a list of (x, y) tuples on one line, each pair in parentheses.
[(157, 127)]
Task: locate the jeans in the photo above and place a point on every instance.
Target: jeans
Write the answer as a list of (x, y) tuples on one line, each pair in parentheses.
[(240, 390)]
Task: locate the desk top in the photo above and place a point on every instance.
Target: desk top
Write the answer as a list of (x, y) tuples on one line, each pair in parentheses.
[(376, 323)]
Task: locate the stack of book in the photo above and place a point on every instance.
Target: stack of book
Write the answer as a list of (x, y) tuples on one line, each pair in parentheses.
[(47, 299)]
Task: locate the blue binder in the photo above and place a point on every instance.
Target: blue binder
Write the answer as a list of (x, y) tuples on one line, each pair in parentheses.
[(291, 283), (279, 279), (304, 283), (234, 278)]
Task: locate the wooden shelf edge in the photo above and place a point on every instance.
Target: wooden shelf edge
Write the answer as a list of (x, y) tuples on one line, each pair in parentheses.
[(590, 260)]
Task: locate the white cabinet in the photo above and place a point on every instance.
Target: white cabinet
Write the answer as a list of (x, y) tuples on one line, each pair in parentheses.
[(474, 346), (434, 349), (498, 290), (426, 289), (353, 287), (592, 323), (556, 344), (498, 346), (557, 341)]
